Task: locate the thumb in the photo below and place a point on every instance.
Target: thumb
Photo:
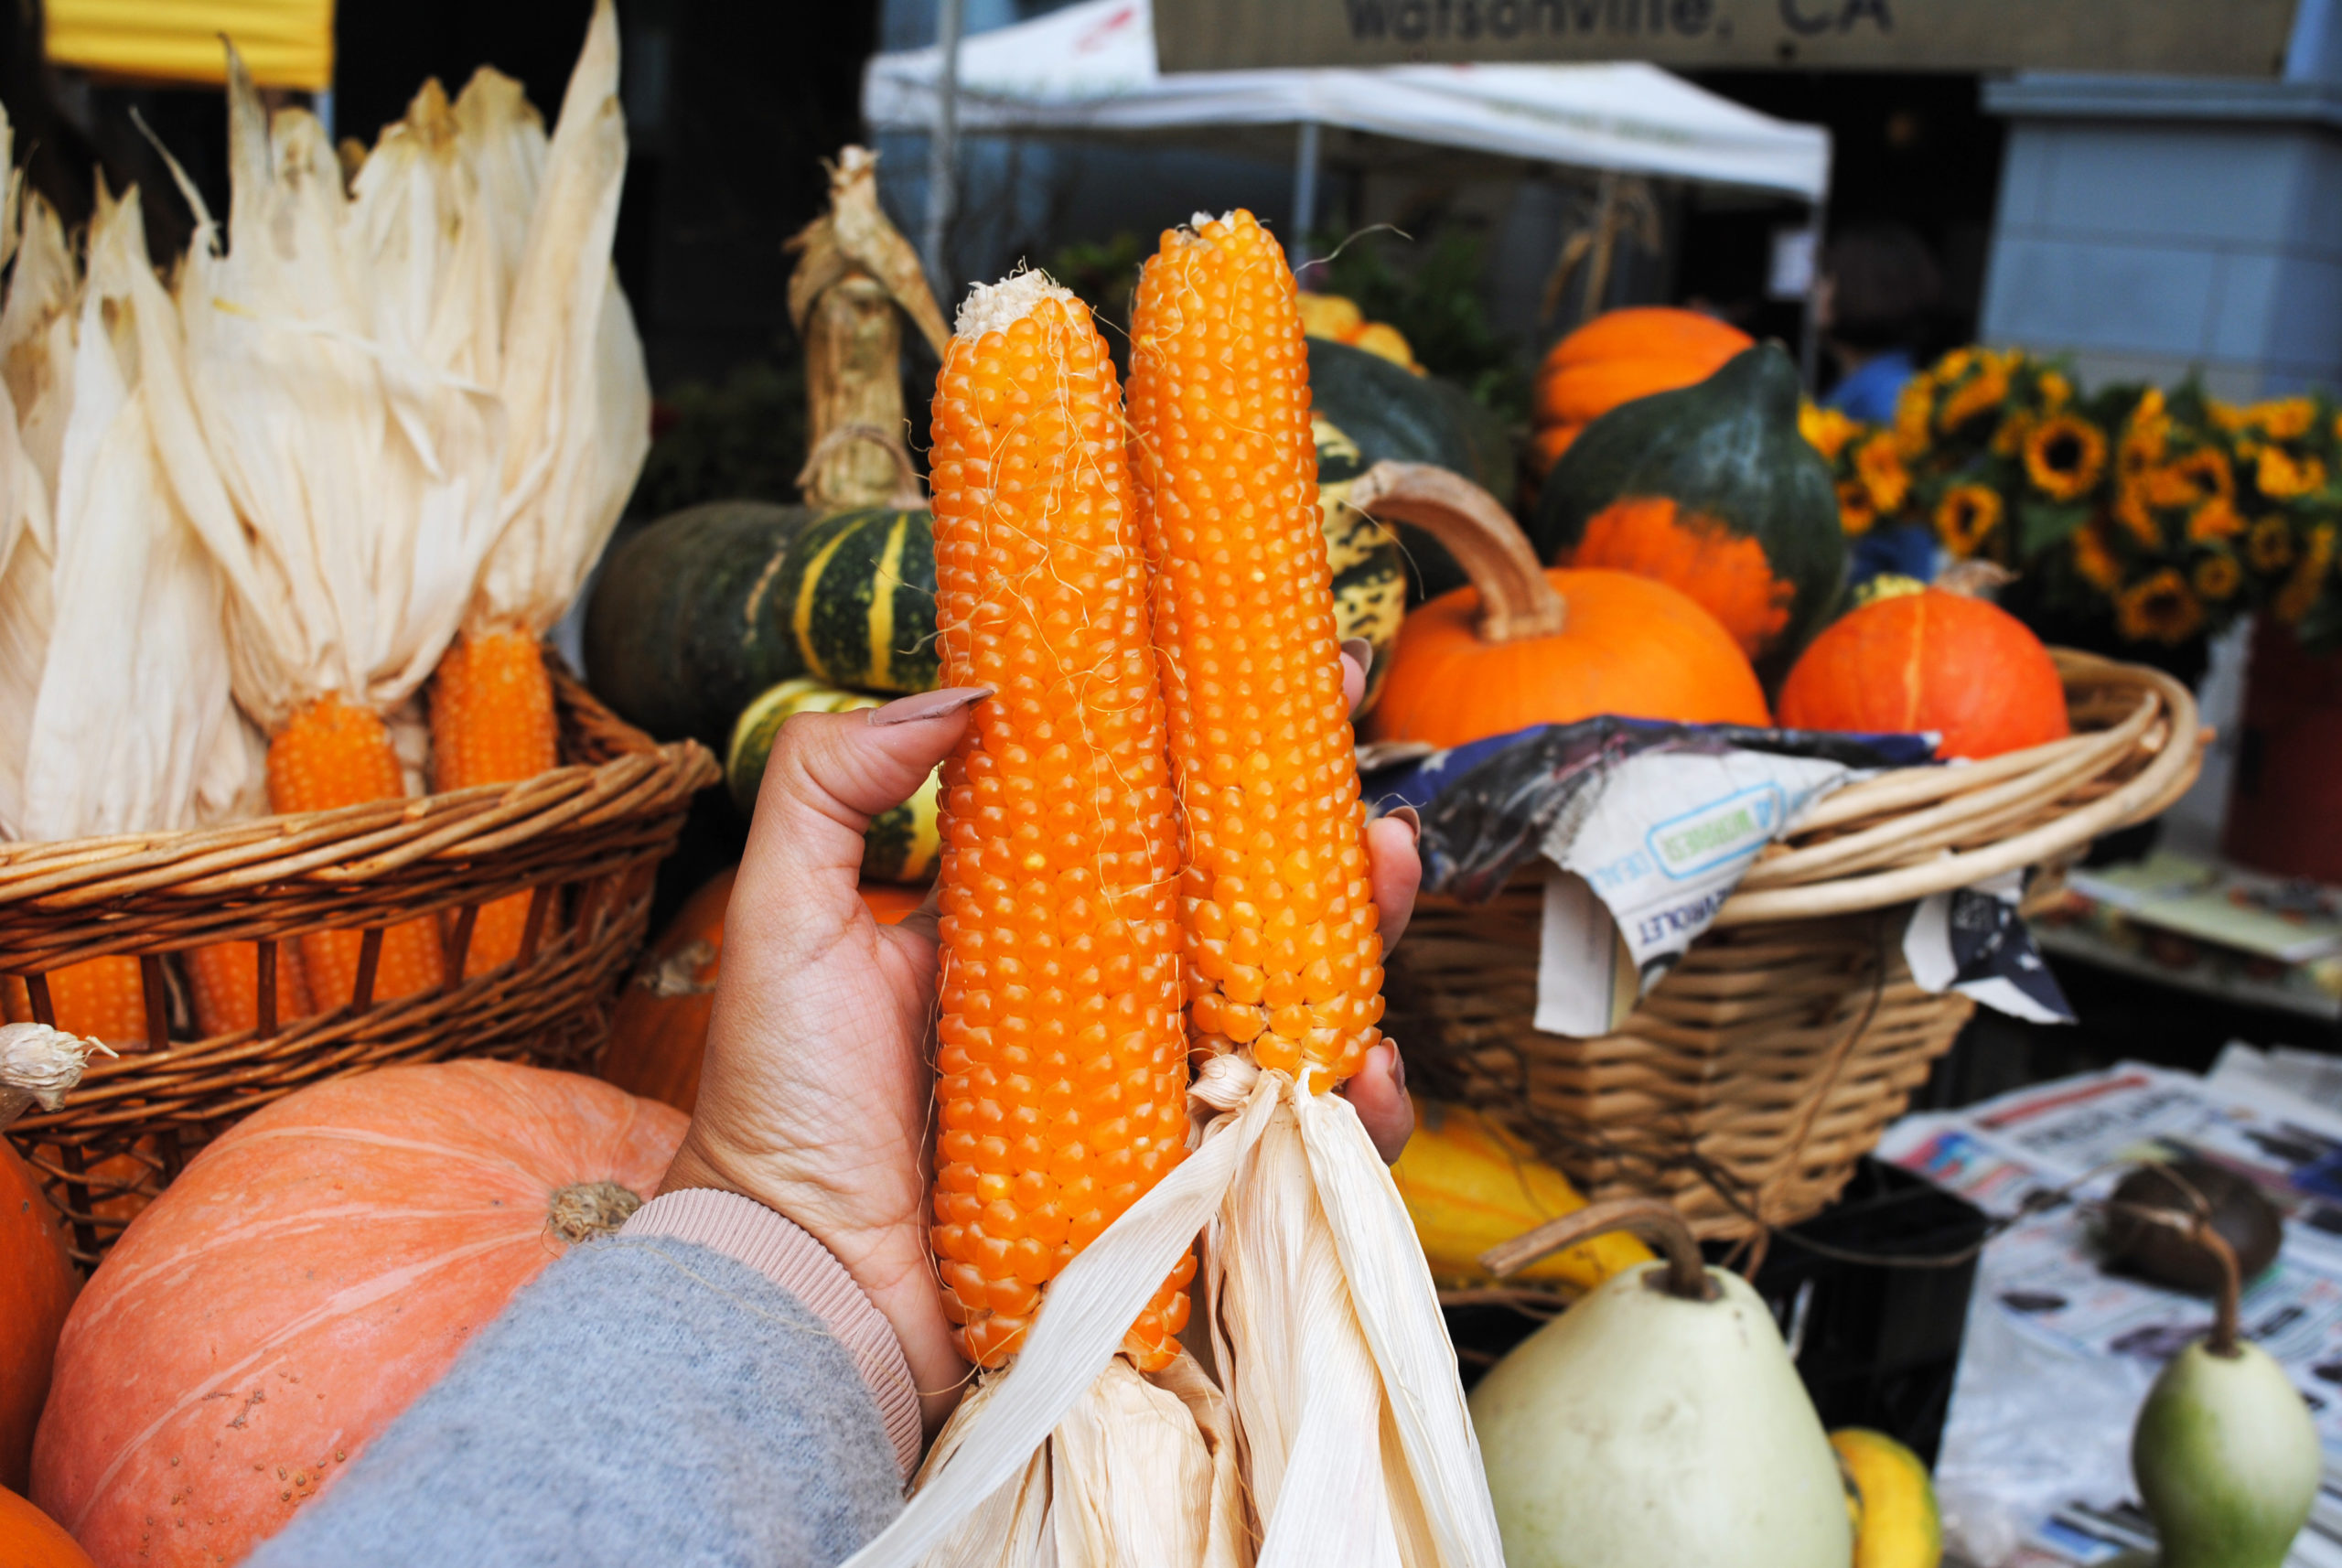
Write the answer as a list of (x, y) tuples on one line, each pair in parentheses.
[(831, 773)]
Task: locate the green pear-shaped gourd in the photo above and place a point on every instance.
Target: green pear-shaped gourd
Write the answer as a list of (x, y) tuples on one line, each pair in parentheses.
[(2225, 1454), (1659, 1422)]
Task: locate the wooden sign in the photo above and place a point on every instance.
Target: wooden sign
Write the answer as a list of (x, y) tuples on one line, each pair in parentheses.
[(2190, 37)]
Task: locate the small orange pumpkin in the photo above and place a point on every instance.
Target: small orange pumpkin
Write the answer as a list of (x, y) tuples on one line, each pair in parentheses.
[(30, 1539), (1523, 646), (36, 1287), (1619, 356), (1930, 660)]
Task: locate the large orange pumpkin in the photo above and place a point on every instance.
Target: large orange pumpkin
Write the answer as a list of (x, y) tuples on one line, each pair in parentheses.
[(30, 1539), (1619, 356), (1523, 646), (307, 1276), (36, 1286), (659, 1029), (1930, 660)]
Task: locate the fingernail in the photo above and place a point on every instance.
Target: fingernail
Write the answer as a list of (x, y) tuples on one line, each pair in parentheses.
[(1409, 815), (925, 706), (1361, 653)]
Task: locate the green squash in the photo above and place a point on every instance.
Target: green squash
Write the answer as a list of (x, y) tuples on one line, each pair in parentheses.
[(1369, 563), (1711, 489), (675, 640), (903, 845), (699, 611), (1387, 411)]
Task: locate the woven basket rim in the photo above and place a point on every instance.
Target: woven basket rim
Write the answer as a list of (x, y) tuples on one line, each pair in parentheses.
[(401, 848)]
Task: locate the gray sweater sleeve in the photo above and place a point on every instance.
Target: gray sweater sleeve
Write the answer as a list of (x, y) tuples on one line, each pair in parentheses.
[(646, 1401)]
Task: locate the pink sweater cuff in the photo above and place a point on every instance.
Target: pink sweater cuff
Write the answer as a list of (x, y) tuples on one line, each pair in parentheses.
[(746, 1231)]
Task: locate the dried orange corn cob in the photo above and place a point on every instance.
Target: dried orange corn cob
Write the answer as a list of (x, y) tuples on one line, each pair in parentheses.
[(492, 722), (100, 998), (225, 979), (1284, 960), (334, 753), (1062, 1095)]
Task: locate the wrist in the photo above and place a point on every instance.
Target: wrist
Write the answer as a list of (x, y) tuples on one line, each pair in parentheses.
[(888, 1261)]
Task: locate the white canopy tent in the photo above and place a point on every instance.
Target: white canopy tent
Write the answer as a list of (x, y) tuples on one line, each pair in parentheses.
[(1090, 68)]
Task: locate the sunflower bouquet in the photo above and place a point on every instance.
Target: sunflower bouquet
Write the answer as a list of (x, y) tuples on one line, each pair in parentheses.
[(2162, 517)]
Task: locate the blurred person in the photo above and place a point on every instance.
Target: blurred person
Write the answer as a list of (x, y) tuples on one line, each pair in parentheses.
[(1878, 286)]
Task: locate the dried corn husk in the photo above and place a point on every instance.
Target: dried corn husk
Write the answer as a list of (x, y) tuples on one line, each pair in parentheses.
[(133, 729), (1326, 1326), (36, 369), (854, 272), (343, 481), (575, 387)]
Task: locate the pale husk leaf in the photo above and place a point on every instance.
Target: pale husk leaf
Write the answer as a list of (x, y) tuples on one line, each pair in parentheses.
[(574, 385), (135, 720), (358, 475), (36, 323), (38, 1065), (501, 140)]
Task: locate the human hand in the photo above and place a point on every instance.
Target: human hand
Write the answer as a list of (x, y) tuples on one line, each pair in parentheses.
[(816, 1093)]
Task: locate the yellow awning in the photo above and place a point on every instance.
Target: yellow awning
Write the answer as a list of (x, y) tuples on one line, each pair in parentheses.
[(286, 43)]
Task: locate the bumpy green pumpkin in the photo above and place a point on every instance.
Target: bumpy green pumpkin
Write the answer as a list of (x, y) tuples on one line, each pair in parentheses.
[(1389, 412), (703, 610), (901, 846), (1711, 491)]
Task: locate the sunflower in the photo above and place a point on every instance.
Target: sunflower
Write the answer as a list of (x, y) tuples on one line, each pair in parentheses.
[(2145, 435), (2270, 544), (2214, 520), (1952, 366), (2202, 474), (1882, 473), (2009, 439), (2227, 415), (2285, 419), (1966, 517), (2056, 391), (1986, 390), (1826, 430), (2162, 609), (2281, 476), (2132, 510), (2217, 576), (1854, 516), (2094, 561), (2065, 455), (2300, 590), (1912, 411)]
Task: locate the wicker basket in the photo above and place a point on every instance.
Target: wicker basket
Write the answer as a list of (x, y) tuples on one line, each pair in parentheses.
[(1748, 1082), (583, 840)]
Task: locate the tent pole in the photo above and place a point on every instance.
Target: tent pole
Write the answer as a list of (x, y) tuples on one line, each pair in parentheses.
[(943, 151), (1809, 342), (1306, 150)]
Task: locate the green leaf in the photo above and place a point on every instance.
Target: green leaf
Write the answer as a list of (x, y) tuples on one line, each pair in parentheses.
[(2042, 527)]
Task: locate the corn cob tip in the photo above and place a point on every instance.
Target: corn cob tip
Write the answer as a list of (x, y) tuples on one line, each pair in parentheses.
[(997, 306)]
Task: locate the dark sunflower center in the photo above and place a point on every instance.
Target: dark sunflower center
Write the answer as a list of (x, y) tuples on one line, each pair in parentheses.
[(2063, 453)]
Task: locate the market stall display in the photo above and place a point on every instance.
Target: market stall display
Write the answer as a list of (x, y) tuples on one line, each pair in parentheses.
[(317, 418)]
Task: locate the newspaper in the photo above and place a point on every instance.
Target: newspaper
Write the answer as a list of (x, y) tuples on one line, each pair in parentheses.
[(2035, 1466)]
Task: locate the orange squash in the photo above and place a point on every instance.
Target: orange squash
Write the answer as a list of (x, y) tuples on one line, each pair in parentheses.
[(30, 1539), (1619, 356), (1930, 660), (1523, 646), (36, 1286), (304, 1278), (659, 1029)]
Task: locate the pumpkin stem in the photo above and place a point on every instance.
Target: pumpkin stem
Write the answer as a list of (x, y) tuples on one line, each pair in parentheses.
[(1686, 1278), (2198, 1226), (38, 1066), (587, 1210), (1517, 601), (909, 495)]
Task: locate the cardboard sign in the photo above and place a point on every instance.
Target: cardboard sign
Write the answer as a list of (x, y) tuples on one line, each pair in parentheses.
[(2190, 37)]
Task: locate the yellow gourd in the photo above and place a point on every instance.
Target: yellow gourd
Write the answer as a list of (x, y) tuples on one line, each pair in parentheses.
[(1470, 1185), (1896, 1525)]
